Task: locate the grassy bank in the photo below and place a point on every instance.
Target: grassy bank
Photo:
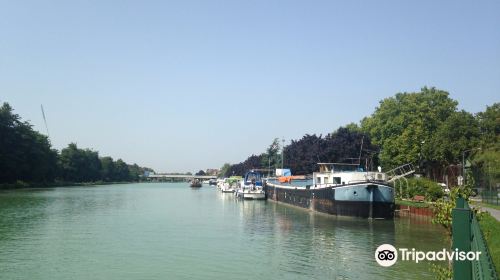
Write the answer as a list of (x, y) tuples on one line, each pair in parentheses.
[(491, 229), (24, 185)]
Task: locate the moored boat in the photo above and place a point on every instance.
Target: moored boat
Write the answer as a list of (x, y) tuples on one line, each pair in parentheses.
[(230, 184), (338, 189), (195, 183), (251, 187)]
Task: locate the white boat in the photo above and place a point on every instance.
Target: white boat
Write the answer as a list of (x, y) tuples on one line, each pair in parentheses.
[(230, 184), (251, 187)]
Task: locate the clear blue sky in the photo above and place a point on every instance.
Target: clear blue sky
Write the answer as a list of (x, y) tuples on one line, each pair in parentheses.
[(189, 85)]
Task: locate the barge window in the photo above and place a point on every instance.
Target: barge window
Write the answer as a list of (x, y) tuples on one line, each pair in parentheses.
[(326, 180), (336, 180), (319, 180)]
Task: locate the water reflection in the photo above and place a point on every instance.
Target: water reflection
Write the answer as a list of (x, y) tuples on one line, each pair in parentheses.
[(154, 231)]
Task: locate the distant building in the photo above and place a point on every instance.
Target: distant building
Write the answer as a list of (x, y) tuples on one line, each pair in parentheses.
[(212, 172)]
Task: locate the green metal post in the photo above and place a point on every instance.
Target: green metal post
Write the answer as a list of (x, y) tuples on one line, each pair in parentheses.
[(461, 231)]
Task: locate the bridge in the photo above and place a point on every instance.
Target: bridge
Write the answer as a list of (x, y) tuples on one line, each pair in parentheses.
[(179, 176)]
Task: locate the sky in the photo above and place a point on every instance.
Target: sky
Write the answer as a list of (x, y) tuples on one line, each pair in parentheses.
[(187, 85)]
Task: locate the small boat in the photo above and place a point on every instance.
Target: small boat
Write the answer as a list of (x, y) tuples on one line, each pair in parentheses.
[(195, 183), (251, 187), (212, 182)]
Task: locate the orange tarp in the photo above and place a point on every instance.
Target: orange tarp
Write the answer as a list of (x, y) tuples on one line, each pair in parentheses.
[(288, 179)]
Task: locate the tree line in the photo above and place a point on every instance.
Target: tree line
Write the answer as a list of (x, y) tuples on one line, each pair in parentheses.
[(27, 155), (425, 128)]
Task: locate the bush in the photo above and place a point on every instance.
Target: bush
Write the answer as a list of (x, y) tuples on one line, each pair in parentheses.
[(420, 186)]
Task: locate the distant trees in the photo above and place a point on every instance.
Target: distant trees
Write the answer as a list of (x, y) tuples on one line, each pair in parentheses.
[(200, 173), (239, 169), (79, 165), (84, 165), (272, 157), (302, 156), (424, 128), (26, 155), (341, 146)]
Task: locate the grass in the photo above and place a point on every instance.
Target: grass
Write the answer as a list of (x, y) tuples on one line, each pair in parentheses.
[(478, 203), (491, 229), (422, 204)]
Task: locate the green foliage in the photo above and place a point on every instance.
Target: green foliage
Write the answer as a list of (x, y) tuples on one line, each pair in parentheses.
[(401, 123), (342, 146), (78, 165), (487, 161), (490, 228), (420, 186), (272, 157), (107, 169), (459, 132), (224, 170), (489, 123), (200, 173), (24, 153), (26, 158), (442, 272), (443, 206), (426, 128)]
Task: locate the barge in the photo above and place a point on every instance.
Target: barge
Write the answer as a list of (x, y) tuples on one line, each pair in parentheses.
[(338, 189)]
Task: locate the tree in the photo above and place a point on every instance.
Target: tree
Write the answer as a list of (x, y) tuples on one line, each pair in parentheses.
[(224, 170), (78, 165), (342, 146), (489, 124), (459, 132), (272, 157), (404, 125), (252, 162), (135, 171), (107, 169), (302, 155), (200, 173), (121, 171), (24, 153)]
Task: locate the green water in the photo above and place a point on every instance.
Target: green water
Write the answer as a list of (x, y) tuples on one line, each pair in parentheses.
[(169, 231)]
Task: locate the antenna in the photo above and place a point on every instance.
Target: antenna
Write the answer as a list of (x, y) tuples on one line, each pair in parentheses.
[(361, 149), (45, 121)]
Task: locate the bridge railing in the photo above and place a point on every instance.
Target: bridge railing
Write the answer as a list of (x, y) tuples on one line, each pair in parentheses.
[(467, 237)]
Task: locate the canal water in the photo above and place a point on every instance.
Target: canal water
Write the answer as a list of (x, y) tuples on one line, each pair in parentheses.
[(169, 231)]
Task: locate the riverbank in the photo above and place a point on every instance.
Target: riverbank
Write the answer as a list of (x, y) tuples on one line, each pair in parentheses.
[(490, 228), (29, 185), (406, 208)]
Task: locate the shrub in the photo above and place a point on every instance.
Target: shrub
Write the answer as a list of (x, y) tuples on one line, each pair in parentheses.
[(421, 186)]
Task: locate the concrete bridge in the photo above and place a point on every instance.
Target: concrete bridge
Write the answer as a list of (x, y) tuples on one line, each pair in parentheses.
[(179, 176)]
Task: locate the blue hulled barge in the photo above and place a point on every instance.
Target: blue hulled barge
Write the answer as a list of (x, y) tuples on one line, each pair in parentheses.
[(337, 189)]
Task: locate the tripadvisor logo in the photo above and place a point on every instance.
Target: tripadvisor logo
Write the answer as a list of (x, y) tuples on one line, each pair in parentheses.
[(387, 255)]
